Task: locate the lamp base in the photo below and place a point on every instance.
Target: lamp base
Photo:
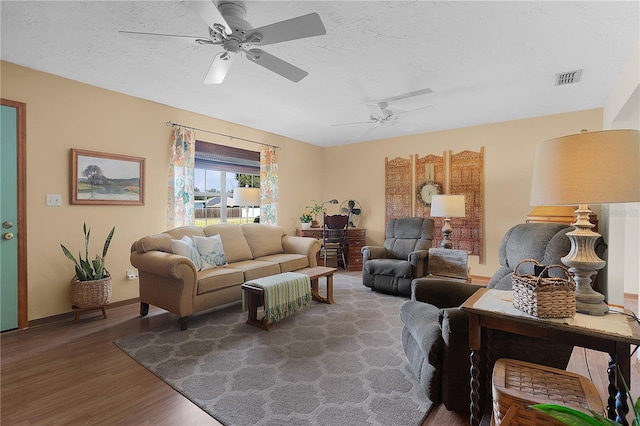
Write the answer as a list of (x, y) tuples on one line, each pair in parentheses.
[(584, 263), (446, 232)]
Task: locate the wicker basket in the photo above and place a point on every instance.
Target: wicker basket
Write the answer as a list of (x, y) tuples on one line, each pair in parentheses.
[(518, 384), (90, 294), (544, 297)]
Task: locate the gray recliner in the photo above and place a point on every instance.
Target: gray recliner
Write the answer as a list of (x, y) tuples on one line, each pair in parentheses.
[(435, 336), (391, 268)]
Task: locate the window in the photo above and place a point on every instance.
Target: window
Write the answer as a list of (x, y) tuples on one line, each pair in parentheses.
[(218, 171)]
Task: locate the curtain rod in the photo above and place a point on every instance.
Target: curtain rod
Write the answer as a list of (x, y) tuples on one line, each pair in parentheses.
[(171, 123)]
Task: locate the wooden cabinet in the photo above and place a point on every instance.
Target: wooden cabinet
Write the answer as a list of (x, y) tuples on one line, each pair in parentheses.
[(356, 239)]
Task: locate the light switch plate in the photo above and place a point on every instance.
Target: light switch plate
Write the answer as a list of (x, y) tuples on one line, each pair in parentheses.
[(54, 200)]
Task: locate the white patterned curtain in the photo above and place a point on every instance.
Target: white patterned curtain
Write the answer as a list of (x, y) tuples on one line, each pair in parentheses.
[(180, 206), (268, 185)]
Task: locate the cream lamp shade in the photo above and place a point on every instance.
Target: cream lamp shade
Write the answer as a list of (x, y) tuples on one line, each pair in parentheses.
[(587, 168), (246, 196), (447, 206)]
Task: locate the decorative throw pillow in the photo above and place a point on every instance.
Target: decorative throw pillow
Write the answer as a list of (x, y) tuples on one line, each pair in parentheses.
[(211, 251), (186, 247)]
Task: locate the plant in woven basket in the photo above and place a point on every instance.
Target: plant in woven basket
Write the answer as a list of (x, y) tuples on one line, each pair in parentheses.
[(90, 270), (571, 416)]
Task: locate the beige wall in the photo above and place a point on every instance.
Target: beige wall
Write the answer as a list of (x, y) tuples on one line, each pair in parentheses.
[(508, 152), (63, 114)]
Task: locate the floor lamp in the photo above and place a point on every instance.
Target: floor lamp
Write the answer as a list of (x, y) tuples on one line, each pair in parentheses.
[(587, 168), (246, 197), (447, 206)]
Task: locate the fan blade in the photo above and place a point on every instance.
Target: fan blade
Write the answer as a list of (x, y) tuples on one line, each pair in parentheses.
[(209, 14), (357, 122), (369, 130), (425, 91), (219, 68), (276, 65), (167, 37), (292, 29), (414, 110)]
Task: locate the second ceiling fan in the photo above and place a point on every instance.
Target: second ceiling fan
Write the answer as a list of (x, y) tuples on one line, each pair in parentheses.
[(382, 115), (228, 29)]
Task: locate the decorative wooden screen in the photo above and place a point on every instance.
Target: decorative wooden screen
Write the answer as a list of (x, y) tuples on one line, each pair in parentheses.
[(440, 177), (398, 189), (466, 176)]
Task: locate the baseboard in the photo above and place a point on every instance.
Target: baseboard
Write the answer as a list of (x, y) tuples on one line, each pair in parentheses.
[(477, 279), (69, 315)]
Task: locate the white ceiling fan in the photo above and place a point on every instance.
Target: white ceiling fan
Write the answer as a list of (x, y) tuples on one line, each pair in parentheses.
[(382, 115), (228, 29)]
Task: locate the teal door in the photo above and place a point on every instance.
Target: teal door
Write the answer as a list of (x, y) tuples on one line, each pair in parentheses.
[(8, 219)]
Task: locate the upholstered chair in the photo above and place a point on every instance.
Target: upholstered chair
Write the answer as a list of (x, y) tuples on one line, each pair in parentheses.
[(435, 337), (390, 268)]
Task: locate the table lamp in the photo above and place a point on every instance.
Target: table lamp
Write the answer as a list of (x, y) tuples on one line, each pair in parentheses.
[(447, 206), (587, 168), (246, 197)]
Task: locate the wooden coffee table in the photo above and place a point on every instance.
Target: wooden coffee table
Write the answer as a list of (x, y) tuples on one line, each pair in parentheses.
[(255, 294), (314, 275)]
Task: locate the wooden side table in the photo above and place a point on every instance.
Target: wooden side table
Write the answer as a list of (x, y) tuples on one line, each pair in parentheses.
[(502, 316)]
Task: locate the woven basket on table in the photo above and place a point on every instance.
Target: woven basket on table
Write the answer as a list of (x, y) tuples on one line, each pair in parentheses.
[(544, 297), (90, 294)]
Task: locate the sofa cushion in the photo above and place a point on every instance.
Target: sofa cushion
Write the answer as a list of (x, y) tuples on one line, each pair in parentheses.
[(162, 242), (235, 245), (389, 267), (211, 251), (218, 278), (287, 262), (264, 239), (254, 269), (187, 248)]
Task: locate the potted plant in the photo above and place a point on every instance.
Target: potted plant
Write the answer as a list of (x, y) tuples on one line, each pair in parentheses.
[(305, 220), (91, 287), (569, 416), (315, 210)]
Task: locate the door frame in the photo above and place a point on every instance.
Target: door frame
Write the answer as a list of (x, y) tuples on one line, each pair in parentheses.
[(21, 154)]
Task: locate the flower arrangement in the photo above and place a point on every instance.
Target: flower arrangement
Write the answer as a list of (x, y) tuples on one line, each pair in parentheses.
[(306, 217)]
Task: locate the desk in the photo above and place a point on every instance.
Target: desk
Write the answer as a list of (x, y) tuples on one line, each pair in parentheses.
[(355, 240), (502, 316)]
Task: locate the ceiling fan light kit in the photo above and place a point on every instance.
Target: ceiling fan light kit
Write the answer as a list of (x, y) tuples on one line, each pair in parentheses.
[(229, 29)]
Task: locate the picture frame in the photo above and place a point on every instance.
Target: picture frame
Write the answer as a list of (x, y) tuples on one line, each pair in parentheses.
[(106, 179)]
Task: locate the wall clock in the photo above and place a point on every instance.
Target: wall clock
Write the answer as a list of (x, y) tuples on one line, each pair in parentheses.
[(428, 190)]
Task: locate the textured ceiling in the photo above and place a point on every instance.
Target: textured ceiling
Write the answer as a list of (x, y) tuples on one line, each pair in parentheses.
[(485, 61)]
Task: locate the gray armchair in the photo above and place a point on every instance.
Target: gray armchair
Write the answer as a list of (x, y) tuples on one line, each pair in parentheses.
[(391, 268), (435, 336)]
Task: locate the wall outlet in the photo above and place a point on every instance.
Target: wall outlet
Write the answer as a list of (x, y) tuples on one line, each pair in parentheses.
[(131, 274), (54, 200)]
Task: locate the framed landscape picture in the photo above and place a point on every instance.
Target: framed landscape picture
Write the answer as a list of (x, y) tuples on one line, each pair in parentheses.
[(100, 178)]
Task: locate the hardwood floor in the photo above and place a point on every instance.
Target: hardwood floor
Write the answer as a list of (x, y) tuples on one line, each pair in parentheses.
[(72, 374)]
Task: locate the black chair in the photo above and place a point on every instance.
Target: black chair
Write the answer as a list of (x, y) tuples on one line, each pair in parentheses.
[(334, 239)]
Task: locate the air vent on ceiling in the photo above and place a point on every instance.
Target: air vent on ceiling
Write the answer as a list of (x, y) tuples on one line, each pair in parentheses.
[(568, 77)]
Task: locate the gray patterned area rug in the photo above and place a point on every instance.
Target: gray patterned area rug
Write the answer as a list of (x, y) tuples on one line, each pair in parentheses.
[(339, 364)]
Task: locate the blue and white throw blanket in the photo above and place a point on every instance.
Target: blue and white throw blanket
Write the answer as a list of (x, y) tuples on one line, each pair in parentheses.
[(284, 294)]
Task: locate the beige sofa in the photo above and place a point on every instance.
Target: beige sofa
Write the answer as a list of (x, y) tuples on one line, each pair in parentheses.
[(253, 250)]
